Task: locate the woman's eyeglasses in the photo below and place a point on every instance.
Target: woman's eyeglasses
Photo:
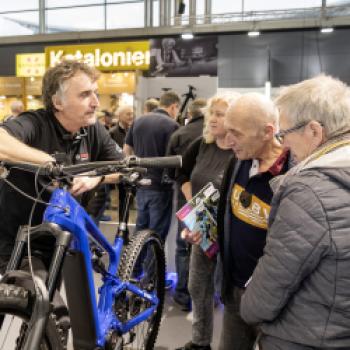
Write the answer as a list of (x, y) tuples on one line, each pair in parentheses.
[(280, 135)]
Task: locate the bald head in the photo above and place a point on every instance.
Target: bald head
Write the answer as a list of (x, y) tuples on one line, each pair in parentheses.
[(253, 110), (16, 108), (251, 123)]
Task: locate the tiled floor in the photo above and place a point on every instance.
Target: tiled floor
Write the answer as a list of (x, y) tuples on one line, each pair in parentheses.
[(175, 329)]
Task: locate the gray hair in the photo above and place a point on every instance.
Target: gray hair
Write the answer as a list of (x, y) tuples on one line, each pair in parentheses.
[(229, 98), (323, 98), (17, 107), (122, 109)]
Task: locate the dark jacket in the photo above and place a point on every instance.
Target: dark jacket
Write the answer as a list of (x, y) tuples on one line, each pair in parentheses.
[(118, 134), (300, 289), (179, 143), (223, 221), (181, 138)]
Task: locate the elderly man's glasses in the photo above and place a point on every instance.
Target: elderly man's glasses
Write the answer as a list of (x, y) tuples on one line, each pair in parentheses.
[(280, 135)]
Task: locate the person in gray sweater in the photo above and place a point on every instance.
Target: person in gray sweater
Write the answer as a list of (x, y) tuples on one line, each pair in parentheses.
[(299, 293)]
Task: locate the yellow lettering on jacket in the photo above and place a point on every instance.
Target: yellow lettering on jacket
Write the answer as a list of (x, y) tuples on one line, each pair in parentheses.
[(256, 214)]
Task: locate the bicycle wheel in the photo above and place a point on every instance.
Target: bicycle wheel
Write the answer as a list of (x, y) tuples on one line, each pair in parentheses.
[(143, 263), (16, 307)]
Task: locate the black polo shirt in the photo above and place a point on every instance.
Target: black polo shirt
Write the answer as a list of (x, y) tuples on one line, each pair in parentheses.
[(40, 129)]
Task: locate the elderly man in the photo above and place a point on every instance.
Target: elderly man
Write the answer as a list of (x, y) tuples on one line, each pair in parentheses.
[(245, 205), (300, 290), (66, 130), (125, 115), (16, 109)]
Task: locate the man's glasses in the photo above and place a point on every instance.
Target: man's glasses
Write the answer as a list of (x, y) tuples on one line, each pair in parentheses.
[(280, 135)]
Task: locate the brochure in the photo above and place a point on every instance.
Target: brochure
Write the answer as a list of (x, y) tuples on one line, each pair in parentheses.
[(199, 214)]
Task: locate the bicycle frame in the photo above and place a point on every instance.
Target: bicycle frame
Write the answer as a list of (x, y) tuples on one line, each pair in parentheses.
[(79, 273)]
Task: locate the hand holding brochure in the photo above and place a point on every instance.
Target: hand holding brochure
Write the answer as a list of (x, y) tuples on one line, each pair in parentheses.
[(199, 215)]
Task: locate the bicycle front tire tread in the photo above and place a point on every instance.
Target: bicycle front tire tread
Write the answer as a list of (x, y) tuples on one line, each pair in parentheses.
[(16, 300)]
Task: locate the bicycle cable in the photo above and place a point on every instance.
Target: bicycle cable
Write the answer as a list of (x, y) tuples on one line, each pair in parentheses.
[(29, 226), (36, 201)]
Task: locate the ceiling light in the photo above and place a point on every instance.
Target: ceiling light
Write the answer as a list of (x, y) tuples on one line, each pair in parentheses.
[(327, 30), (254, 33), (187, 36)]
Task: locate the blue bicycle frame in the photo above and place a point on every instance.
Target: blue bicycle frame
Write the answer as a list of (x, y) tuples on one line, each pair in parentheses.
[(65, 211)]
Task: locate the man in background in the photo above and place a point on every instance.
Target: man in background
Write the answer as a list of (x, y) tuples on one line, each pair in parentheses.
[(125, 116), (16, 109), (149, 137), (150, 105), (178, 144), (108, 119)]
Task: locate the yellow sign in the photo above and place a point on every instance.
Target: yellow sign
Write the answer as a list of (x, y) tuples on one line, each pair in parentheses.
[(105, 57), (30, 65)]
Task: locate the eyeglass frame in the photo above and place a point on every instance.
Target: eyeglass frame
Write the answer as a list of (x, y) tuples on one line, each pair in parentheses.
[(281, 134)]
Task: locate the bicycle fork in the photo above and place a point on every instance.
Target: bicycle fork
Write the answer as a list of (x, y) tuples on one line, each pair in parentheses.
[(43, 289)]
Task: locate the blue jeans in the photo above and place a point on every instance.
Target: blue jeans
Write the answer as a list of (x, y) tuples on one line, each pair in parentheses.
[(154, 209)]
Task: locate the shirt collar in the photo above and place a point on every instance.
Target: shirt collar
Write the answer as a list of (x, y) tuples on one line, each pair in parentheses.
[(161, 111), (63, 133), (275, 169)]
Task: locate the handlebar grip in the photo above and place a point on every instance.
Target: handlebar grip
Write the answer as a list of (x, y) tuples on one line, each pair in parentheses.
[(155, 162)]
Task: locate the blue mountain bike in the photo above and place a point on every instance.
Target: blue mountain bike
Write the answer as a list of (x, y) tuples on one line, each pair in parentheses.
[(125, 311)]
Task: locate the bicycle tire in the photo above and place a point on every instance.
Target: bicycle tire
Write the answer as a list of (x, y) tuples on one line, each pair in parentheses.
[(18, 301), (131, 254)]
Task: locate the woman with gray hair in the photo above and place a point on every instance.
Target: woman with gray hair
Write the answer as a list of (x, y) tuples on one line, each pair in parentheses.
[(300, 290), (204, 161)]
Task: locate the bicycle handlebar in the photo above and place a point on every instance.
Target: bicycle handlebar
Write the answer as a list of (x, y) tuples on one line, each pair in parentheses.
[(98, 168), (155, 162)]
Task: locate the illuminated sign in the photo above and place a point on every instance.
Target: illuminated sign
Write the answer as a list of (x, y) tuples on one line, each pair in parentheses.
[(30, 65), (105, 57)]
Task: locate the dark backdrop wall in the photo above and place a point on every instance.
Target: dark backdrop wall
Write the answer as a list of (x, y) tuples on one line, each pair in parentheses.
[(282, 57)]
